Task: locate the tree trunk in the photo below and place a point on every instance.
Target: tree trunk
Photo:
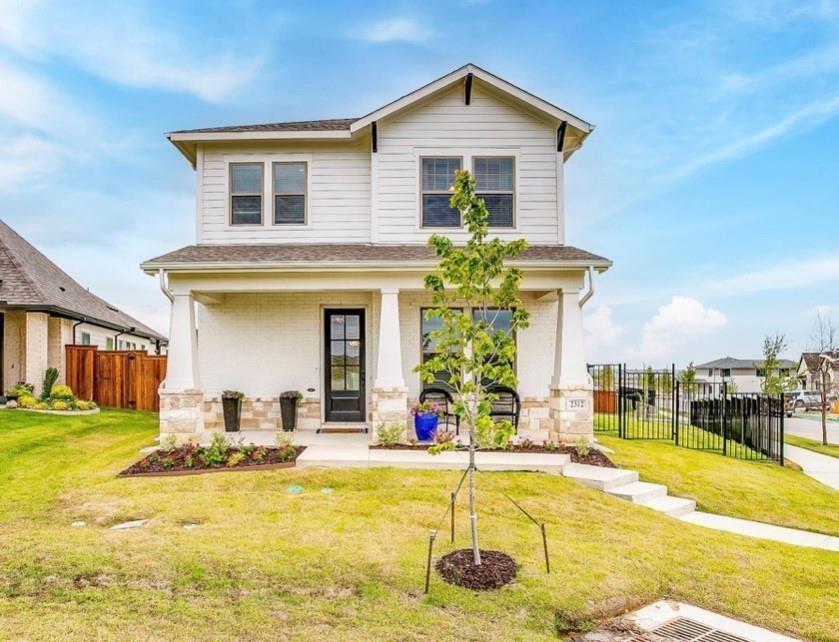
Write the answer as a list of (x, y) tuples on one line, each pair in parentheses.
[(473, 515), (824, 408)]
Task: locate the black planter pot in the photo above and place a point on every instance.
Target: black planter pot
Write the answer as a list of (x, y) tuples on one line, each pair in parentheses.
[(232, 409), (288, 412)]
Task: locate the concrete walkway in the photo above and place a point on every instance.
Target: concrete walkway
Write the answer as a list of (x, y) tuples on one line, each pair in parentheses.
[(761, 530), (823, 468)]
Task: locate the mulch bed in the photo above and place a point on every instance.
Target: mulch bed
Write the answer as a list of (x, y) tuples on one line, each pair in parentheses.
[(458, 567), (188, 460), (593, 457)]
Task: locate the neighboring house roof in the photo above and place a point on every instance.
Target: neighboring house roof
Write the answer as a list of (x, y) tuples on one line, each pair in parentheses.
[(353, 255), (29, 280), (811, 360), (731, 362), (345, 128)]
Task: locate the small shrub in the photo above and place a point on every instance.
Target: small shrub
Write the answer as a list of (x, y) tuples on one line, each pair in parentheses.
[(167, 464), (549, 444), (284, 439), (50, 377), (169, 444), (444, 441), (40, 405), (248, 449), (60, 405), (235, 459), (390, 433), (217, 452), (526, 443), (80, 405), (189, 461), (582, 446), (259, 453), (63, 392), (27, 401), (286, 453)]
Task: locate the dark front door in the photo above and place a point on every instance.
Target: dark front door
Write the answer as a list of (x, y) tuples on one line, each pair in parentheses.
[(344, 366)]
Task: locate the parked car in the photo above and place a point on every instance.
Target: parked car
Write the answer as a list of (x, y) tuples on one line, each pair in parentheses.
[(802, 400)]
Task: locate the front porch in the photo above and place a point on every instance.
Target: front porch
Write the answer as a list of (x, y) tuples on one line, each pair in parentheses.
[(349, 342)]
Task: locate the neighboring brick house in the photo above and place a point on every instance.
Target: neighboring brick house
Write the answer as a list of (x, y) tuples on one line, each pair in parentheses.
[(311, 250), (42, 310)]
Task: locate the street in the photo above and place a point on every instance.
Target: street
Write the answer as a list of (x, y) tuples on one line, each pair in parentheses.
[(812, 428)]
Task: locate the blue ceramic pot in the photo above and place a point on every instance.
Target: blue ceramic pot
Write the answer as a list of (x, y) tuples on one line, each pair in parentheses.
[(426, 426)]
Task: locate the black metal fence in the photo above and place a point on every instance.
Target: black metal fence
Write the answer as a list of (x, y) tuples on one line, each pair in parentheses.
[(655, 404)]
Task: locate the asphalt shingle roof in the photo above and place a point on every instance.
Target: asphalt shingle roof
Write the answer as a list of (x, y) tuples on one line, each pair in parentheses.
[(342, 253), (731, 362), (30, 279), (332, 124)]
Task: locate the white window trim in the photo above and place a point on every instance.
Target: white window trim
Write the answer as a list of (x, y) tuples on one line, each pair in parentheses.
[(466, 154), (267, 161)]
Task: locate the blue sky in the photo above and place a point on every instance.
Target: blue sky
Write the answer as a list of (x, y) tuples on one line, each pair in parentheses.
[(712, 179)]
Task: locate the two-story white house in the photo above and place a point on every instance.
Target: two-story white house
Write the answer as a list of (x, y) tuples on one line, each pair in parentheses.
[(311, 248)]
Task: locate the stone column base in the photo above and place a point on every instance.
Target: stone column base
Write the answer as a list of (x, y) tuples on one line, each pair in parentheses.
[(388, 405), (572, 411), (181, 415)]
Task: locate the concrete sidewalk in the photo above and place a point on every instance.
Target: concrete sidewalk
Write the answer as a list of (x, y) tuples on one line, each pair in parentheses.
[(823, 468)]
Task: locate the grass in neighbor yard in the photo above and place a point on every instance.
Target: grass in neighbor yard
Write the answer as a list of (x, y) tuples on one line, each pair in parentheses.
[(758, 490), (265, 564), (812, 444)]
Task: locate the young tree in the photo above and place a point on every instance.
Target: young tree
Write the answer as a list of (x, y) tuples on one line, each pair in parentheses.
[(471, 351), (687, 379), (825, 338), (774, 382)]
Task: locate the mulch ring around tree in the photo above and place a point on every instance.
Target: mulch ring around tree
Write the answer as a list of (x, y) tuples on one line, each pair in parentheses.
[(193, 460), (593, 457), (458, 567)]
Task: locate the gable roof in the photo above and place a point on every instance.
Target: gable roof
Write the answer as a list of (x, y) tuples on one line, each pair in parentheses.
[(346, 128), (812, 360), (356, 256), (29, 280), (731, 362)]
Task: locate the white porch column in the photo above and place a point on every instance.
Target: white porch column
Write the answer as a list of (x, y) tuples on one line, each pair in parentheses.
[(571, 401), (389, 394), (181, 397)]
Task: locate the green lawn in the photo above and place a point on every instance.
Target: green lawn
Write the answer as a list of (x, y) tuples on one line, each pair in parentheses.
[(812, 444), (759, 490), (264, 564)]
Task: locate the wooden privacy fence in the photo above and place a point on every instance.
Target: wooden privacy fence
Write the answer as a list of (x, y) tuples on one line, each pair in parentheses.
[(115, 378)]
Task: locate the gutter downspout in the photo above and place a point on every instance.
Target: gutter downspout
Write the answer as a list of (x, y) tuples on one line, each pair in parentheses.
[(76, 325), (584, 299), (116, 336), (164, 287)]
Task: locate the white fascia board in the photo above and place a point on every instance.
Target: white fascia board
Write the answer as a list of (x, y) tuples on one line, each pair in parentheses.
[(484, 76), (356, 266)]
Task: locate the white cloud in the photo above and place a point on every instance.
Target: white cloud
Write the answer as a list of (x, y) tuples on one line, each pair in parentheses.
[(601, 334), (395, 30), (119, 42), (783, 276), (680, 322), (27, 158)]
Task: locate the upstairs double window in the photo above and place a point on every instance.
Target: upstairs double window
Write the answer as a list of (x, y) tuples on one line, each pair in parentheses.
[(288, 187), (495, 179)]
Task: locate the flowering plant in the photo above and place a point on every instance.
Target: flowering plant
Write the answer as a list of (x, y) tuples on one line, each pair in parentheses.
[(426, 408)]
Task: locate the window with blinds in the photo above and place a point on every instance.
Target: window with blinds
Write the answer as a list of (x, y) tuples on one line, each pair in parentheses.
[(495, 178), (289, 193), (246, 193), (437, 179)]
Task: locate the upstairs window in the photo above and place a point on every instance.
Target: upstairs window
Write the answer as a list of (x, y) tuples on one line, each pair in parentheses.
[(496, 185), (437, 179), (289, 193), (246, 193)]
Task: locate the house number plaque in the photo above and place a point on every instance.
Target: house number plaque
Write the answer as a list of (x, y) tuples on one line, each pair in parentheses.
[(577, 403)]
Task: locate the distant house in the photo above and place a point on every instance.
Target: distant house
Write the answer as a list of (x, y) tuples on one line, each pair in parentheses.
[(42, 310), (747, 375), (808, 371)]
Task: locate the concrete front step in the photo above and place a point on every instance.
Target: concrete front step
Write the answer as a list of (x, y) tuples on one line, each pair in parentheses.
[(638, 492), (672, 506), (599, 477)]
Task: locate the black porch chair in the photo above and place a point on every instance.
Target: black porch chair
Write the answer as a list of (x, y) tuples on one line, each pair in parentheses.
[(444, 399), (507, 405)]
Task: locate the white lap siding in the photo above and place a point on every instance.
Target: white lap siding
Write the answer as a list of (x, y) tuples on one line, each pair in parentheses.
[(445, 126), (338, 196)]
